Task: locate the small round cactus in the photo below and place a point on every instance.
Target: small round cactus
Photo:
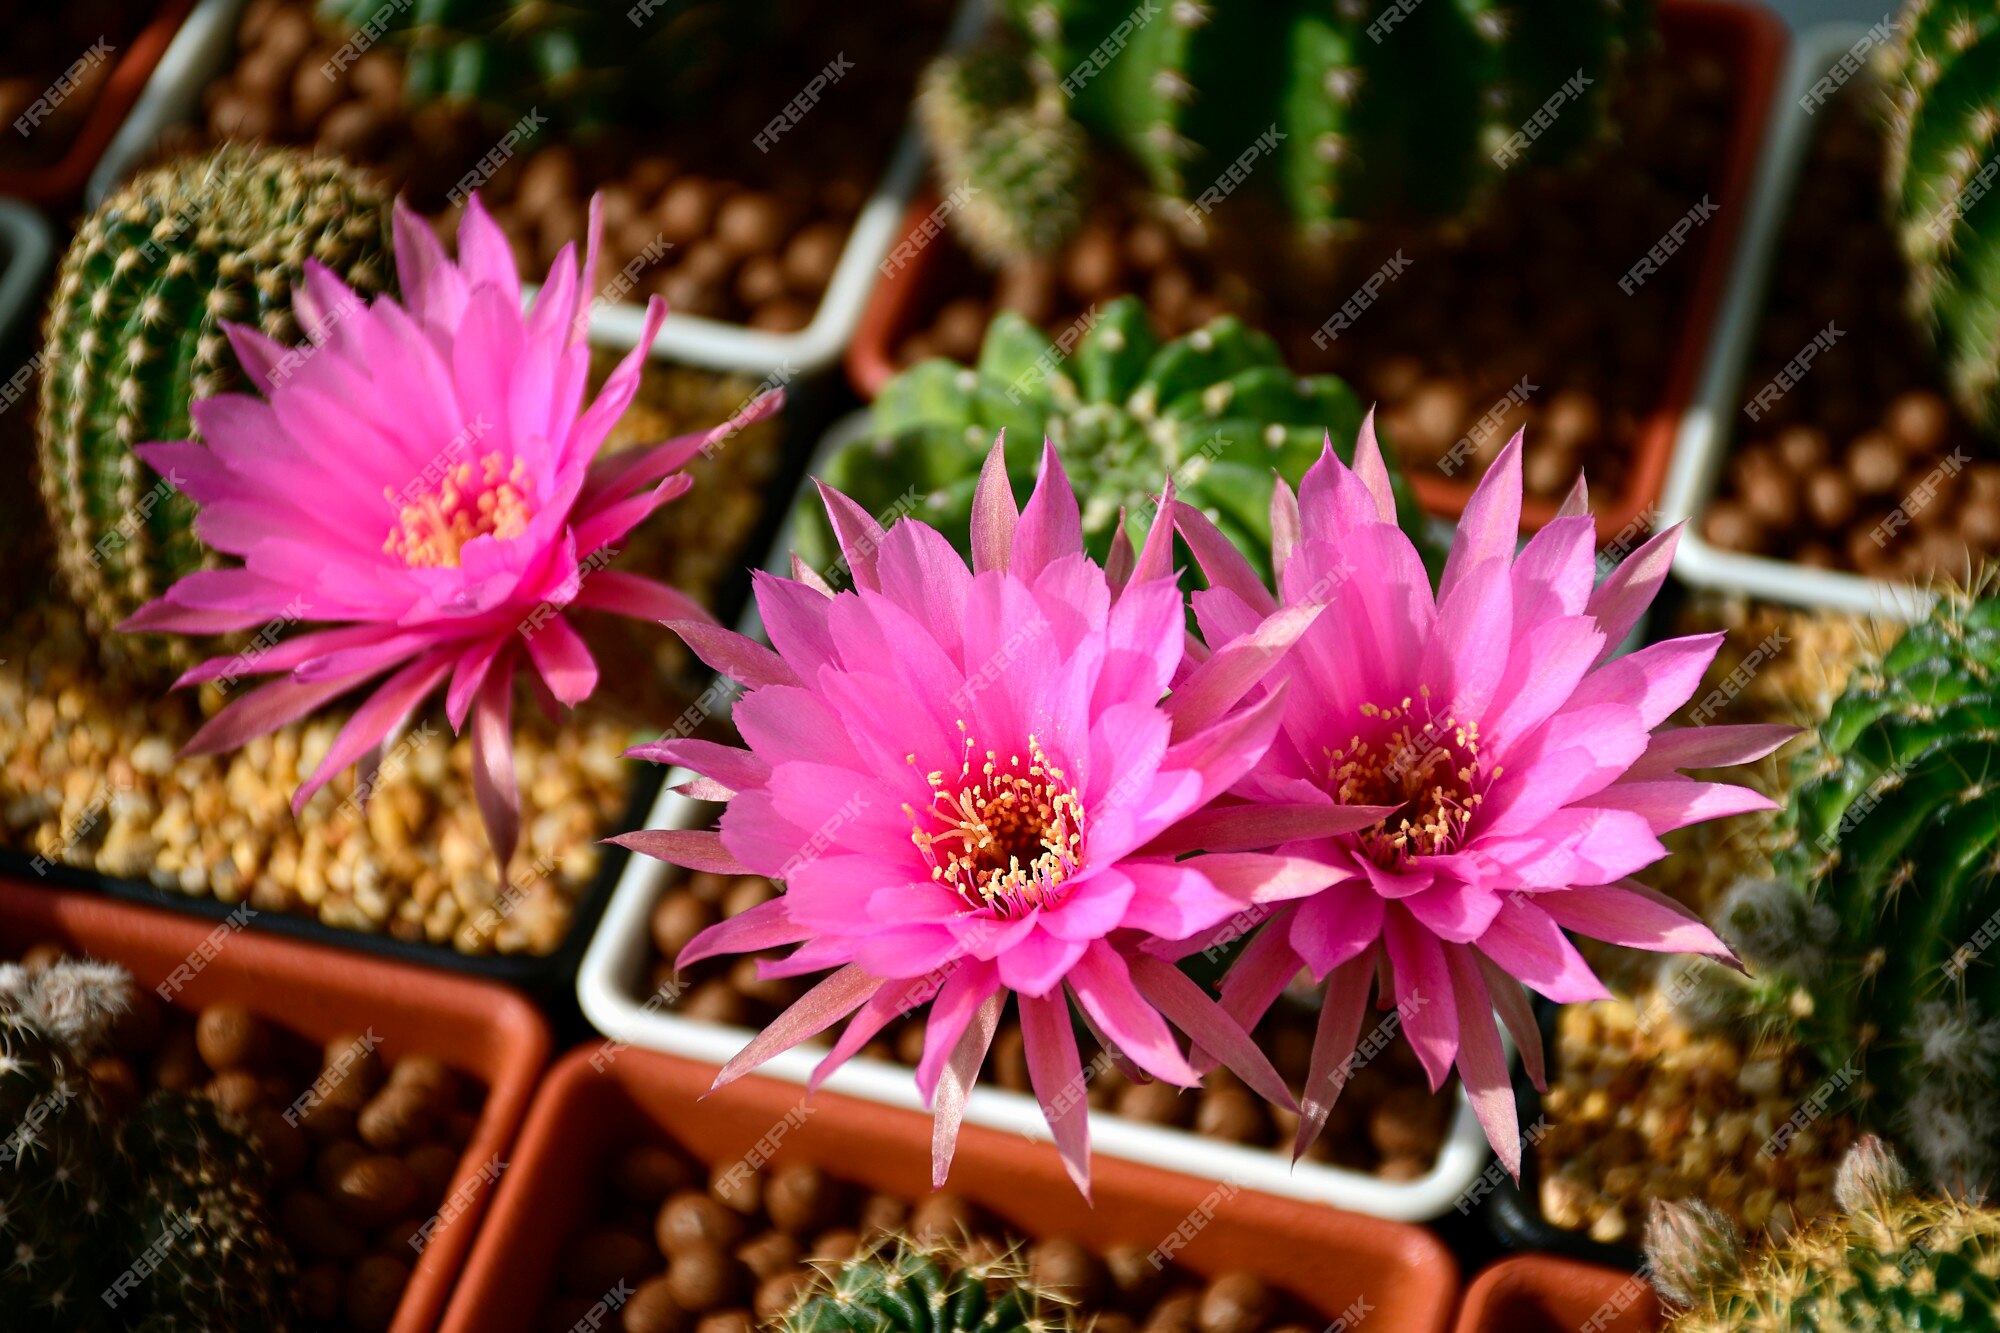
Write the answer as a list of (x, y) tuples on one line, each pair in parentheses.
[(905, 1287), (1217, 411), (1872, 942), (1888, 1261), (134, 336)]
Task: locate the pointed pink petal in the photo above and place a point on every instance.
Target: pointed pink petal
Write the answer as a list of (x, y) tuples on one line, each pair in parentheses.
[(1629, 589), (1373, 471), (1525, 941), (383, 711), (1219, 559), (1333, 1042), (1285, 530), (892, 1002), (1103, 985), (813, 1013), (1262, 877), (1491, 523), (1051, 526), (263, 710), (1121, 559), (1672, 803), (1156, 555), (493, 786), (738, 769), (1634, 915), (1482, 1063), (558, 652), (1187, 1007), (1242, 828), (696, 849), (637, 596), (993, 514), (1056, 1074), (1675, 748), (859, 535), (1423, 993), (765, 926), (1236, 668), (1518, 1015), (739, 658), (1577, 502), (954, 1086)]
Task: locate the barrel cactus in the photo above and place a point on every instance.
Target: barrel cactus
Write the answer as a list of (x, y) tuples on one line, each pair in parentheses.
[(134, 336), (905, 1287), (1344, 112), (1216, 411), (1889, 1261), (586, 66), (54, 1202), (1873, 939), (1943, 87)]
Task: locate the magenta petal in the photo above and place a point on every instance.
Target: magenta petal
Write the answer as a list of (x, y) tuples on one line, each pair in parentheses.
[(1241, 828), (1339, 1025), (1512, 1003), (737, 769), (859, 535), (1236, 668), (697, 849), (1577, 502), (1482, 1062), (636, 596), (1525, 941), (1423, 993), (1103, 985), (1373, 471), (1491, 523), (558, 652), (1051, 526), (1262, 877), (263, 710), (1674, 748), (1261, 973), (1039, 962), (493, 786), (954, 1086), (1156, 555), (1630, 588), (1181, 999), (382, 712), (1056, 1074), (733, 655), (1121, 559), (883, 1008), (994, 517), (765, 926), (1285, 530), (1634, 915), (1672, 803), (1332, 927), (1219, 559), (813, 1013)]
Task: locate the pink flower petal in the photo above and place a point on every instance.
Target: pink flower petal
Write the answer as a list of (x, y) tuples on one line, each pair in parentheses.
[(1482, 1064), (1051, 525), (1526, 943), (1675, 748), (994, 517), (1630, 588), (493, 786), (955, 1086), (1423, 993), (1333, 1042), (697, 849), (1491, 523), (1372, 470), (733, 655), (1103, 986), (1219, 559), (765, 926), (1038, 964), (1235, 669), (1631, 914), (1211, 1030), (1056, 1075), (813, 1013)]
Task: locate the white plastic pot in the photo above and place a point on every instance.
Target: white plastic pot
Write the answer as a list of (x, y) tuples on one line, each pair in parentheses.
[(1709, 428), (25, 251), (611, 987), (207, 43)]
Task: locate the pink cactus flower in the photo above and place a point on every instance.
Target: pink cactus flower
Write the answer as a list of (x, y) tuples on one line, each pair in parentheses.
[(1518, 773), (973, 783), (424, 480)]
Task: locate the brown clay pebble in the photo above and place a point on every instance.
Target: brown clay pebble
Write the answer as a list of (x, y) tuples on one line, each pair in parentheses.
[(811, 256), (737, 1189), (333, 1161), (236, 1091), (884, 1214), (179, 1068), (751, 223), (1919, 419), (1829, 498), (374, 1290), (1175, 1314), (1875, 464), (728, 1321), (833, 1246), (1091, 267), (653, 1309), (941, 1217), (704, 1278), (1156, 1102), (714, 1001), (326, 1122), (428, 1074), (799, 1198), (605, 1257), (777, 1294), (1732, 526), (375, 1189), (1134, 1275), (678, 918), (690, 1220), (229, 1036), (1232, 1114), (353, 1067), (770, 1254), (398, 1117), (745, 892), (759, 280), (320, 1288), (1979, 522), (649, 1173), (1802, 448), (1235, 1303), (41, 957), (1066, 1270), (116, 1082)]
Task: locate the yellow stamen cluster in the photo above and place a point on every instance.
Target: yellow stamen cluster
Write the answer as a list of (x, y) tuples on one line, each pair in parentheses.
[(1003, 835), (431, 530), (1427, 765)]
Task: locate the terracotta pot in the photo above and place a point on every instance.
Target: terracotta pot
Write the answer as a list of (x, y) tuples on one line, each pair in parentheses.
[(61, 181), (1746, 36), (1538, 1294), (486, 1032), (600, 1098)]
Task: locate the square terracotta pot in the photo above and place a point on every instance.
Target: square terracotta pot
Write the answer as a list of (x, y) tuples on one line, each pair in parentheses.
[(483, 1031), (599, 1099)]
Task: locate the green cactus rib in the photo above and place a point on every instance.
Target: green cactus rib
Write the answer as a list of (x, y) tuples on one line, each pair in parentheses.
[(1892, 831), (134, 336), (1216, 410), (51, 1201), (1943, 82), (590, 65), (909, 1288), (1387, 110)]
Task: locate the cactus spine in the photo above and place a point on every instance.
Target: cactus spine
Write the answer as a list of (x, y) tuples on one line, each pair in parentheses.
[(1888, 1260), (134, 335), (1217, 411), (904, 1287), (1943, 81), (1872, 940)]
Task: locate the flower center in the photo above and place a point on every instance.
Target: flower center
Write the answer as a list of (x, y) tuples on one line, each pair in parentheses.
[(1430, 769), (1004, 835), (435, 519)]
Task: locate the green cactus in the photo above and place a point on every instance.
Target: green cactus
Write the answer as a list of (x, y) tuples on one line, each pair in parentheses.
[(1364, 112), (1216, 410), (197, 1199), (1872, 942), (1887, 1262), (588, 66), (134, 336), (1942, 76), (905, 1287)]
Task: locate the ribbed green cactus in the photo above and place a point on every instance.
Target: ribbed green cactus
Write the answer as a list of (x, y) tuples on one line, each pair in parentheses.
[(588, 66), (1341, 111), (134, 337), (905, 1287), (1943, 81), (1874, 940), (1216, 410), (1888, 1262)]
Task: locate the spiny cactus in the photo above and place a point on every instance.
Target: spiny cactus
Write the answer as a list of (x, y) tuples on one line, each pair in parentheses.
[(1873, 940), (1888, 1262), (1216, 410), (1942, 76), (1343, 111), (905, 1287), (589, 66), (134, 336)]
